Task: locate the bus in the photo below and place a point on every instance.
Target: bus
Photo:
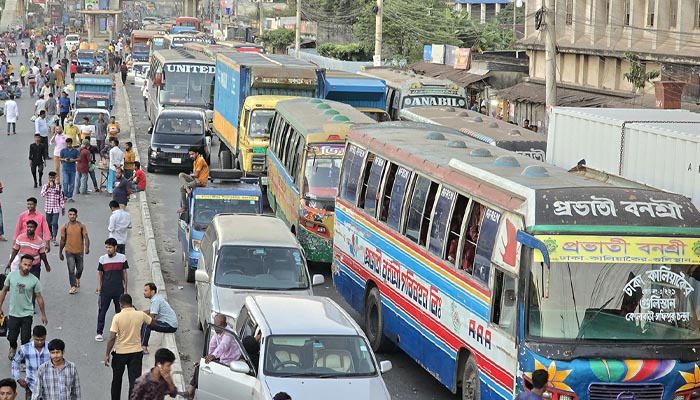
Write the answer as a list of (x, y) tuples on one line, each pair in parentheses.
[(156, 43), (484, 266), (487, 129), (405, 89), (186, 23), (180, 78), (303, 160), (174, 40)]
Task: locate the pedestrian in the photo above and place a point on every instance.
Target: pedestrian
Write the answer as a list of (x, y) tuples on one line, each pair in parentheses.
[(125, 338), (40, 82), (2, 226), (124, 70), (8, 389), (145, 94), (112, 281), (129, 160), (31, 81), (47, 89), (69, 158), (60, 78), (139, 179), (198, 177), (282, 396), (64, 109), (73, 70), (51, 109), (42, 129), (39, 104), (11, 114), (540, 377), (54, 206), (156, 383), (71, 130), (122, 189), (113, 128), (116, 160), (21, 286), (37, 159), (29, 243), (76, 242), (32, 355), (165, 319), (83, 166), (93, 166), (22, 73), (101, 132), (57, 379), (32, 214), (86, 130), (58, 140), (119, 225)]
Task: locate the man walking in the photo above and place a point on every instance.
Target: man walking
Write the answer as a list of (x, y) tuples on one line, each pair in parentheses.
[(116, 160), (32, 214), (164, 318), (11, 114), (58, 140), (125, 338), (156, 383), (64, 108), (100, 132), (28, 243), (69, 158), (121, 190), (124, 70), (119, 225), (42, 129), (55, 204), (111, 283), (144, 94), (198, 177), (57, 379), (32, 355), (21, 285), (83, 167), (51, 109), (37, 159), (74, 238)]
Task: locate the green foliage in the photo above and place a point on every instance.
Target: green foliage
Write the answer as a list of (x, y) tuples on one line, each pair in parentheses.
[(277, 39), (347, 52), (638, 75)]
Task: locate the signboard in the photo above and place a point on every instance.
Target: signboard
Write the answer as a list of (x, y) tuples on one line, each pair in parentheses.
[(451, 55), (428, 100), (190, 68), (427, 53), (224, 197), (438, 54), (620, 249), (463, 59), (92, 4)]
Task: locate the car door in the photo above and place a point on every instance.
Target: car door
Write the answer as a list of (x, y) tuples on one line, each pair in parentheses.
[(218, 382), (204, 301), (183, 233)]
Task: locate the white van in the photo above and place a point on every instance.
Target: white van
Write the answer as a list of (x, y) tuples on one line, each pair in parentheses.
[(243, 254)]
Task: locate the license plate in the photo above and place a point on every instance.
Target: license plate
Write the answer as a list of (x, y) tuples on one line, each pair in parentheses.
[(176, 160)]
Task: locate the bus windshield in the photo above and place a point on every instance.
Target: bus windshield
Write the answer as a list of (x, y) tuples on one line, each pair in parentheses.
[(602, 301), (192, 88), (321, 177), (260, 123)]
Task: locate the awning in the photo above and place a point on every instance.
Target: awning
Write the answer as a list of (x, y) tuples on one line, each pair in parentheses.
[(535, 93), (459, 76)]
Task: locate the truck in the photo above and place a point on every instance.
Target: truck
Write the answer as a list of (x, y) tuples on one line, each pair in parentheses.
[(240, 79), (655, 147), (140, 44), (228, 192), (93, 91), (362, 92)]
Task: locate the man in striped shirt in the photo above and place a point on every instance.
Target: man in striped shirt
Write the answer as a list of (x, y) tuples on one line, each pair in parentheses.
[(28, 243), (111, 283), (38, 218), (57, 379), (31, 354), (55, 203)]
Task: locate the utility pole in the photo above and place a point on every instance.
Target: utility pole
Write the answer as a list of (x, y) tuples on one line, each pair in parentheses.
[(378, 34), (260, 9), (550, 60), (297, 29)]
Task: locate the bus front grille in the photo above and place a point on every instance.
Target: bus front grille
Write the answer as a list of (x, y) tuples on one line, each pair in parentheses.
[(613, 391), (259, 163)]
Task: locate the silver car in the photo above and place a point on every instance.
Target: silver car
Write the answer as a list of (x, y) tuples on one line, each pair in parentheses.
[(309, 347)]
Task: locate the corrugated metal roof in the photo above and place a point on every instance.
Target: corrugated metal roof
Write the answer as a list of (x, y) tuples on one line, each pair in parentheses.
[(535, 93), (459, 76)]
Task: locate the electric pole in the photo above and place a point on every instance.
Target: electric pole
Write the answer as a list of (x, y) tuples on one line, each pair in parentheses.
[(297, 31), (550, 60), (378, 34), (260, 9)]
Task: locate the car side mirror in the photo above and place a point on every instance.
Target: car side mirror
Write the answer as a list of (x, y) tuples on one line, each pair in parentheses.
[(240, 367), (201, 276), (318, 280), (150, 130), (385, 366)]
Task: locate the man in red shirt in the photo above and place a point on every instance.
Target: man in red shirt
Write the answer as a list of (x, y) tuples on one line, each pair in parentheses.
[(73, 70), (139, 178), (34, 215), (28, 243)]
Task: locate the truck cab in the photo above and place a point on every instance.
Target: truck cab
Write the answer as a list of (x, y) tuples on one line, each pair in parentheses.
[(227, 192)]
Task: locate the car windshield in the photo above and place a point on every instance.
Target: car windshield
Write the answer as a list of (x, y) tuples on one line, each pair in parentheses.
[(141, 69), (140, 48), (207, 206), (322, 172), (72, 38), (261, 268), (180, 126), (260, 123), (319, 356), (86, 54), (645, 302)]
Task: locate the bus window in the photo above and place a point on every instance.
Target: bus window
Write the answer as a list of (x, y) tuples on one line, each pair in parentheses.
[(456, 226), (375, 176), (352, 166), (469, 249), (427, 214), (291, 149), (297, 159), (416, 207), (365, 179), (386, 193), (397, 194), (440, 219), (503, 311)]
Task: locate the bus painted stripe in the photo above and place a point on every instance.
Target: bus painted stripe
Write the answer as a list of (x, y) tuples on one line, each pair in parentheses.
[(429, 326)]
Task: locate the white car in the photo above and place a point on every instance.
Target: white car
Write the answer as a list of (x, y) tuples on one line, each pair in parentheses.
[(309, 347), (72, 40), (138, 72)]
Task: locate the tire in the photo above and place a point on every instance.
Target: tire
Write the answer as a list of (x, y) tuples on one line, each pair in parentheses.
[(149, 168), (226, 159), (189, 272), (374, 322), (471, 385)]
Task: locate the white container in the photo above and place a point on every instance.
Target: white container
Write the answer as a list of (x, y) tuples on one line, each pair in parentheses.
[(659, 148)]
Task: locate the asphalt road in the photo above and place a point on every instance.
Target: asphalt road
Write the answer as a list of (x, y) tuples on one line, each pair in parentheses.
[(406, 381)]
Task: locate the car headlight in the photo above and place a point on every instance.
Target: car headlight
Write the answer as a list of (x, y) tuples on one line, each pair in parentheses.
[(195, 245), (154, 154)]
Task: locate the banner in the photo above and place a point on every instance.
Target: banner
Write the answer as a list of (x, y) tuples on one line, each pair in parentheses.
[(463, 59), (451, 55), (438, 54)]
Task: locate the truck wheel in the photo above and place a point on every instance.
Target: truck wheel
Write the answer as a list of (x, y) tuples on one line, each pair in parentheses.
[(189, 272), (374, 322), (226, 159), (471, 385)]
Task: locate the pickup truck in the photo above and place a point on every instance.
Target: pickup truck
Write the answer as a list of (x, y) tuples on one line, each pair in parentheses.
[(228, 192)]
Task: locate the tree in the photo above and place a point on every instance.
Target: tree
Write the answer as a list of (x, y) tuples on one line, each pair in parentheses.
[(638, 75), (278, 39)]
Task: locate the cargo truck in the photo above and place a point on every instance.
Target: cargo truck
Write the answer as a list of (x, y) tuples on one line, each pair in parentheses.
[(93, 91), (248, 86), (659, 148), (362, 92)]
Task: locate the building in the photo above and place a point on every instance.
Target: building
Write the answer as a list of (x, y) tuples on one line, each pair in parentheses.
[(483, 10), (592, 37)]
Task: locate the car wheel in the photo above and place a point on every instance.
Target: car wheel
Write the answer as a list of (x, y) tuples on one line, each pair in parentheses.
[(374, 322), (471, 385), (149, 168), (189, 272)]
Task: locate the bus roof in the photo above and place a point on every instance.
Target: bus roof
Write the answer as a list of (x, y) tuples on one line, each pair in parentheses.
[(210, 50), (311, 116), (548, 196), (182, 56), (146, 32), (348, 82), (402, 76)]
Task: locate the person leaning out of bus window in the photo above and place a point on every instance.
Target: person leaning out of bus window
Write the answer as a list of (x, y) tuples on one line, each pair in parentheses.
[(469, 250), (539, 382)]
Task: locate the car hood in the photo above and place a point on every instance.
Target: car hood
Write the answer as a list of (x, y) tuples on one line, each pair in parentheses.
[(319, 389), (229, 301), (160, 140)]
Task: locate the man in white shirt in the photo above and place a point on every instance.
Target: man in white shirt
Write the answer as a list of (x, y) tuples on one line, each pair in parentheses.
[(116, 160), (11, 114), (119, 225), (40, 104), (41, 128), (144, 93)]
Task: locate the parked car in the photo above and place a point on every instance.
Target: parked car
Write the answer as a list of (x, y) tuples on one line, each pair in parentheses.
[(235, 263), (138, 72), (174, 132), (309, 347)]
